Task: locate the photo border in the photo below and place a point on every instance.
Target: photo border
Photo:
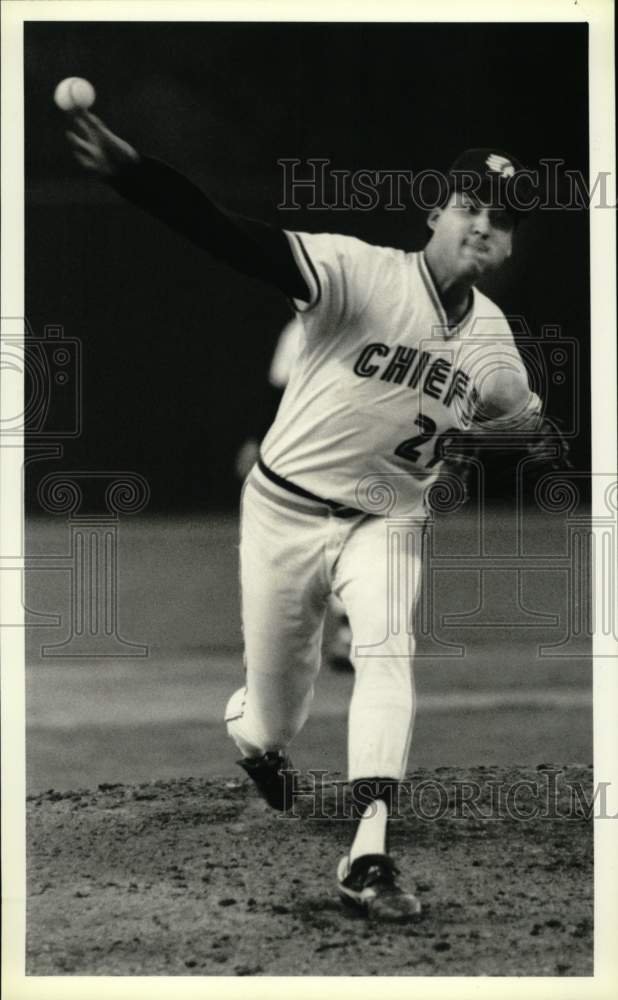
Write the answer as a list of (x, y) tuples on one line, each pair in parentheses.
[(16, 985)]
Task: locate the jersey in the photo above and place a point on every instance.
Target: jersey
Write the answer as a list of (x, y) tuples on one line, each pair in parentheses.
[(381, 381), (286, 352)]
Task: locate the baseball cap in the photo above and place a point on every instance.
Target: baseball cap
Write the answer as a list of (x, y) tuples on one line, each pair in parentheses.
[(494, 176)]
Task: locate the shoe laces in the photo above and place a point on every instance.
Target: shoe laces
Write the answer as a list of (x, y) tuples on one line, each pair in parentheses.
[(379, 868)]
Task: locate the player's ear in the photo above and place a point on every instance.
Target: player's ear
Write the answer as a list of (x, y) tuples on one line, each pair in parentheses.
[(432, 218)]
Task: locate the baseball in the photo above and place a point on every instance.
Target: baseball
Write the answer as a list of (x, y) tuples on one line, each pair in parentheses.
[(74, 93)]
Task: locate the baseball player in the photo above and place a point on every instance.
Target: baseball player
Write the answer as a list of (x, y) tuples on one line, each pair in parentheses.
[(399, 352)]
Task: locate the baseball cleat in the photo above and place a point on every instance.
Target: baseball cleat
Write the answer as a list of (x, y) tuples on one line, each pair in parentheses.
[(268, 775), (370, 885)]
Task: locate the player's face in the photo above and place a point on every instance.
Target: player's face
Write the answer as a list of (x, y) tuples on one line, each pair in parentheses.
[(471, 237)]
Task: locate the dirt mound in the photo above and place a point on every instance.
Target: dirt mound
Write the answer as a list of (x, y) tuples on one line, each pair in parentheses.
[(198, 877)]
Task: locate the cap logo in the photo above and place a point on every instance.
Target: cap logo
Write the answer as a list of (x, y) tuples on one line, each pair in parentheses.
[(500, 164)]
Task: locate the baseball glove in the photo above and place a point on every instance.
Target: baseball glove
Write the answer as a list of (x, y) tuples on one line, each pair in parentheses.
[(548, 446), (500, 454), (459, 455)]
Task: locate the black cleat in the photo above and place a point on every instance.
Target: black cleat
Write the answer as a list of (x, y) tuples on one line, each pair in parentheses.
[(370, 885), (275, 787)]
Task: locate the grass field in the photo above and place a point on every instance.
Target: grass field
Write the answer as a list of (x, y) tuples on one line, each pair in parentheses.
[(96, 719)]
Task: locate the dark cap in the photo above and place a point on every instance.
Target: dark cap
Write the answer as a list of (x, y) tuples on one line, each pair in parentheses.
[(493, 175)]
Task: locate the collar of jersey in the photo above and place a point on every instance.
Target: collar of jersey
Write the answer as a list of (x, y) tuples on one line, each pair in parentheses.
[(456, 328)]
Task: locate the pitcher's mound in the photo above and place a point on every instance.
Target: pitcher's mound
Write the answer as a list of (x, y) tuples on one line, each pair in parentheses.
[(198, 877)]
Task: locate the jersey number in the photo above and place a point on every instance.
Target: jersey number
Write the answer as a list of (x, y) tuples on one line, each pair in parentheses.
[(409, 449)]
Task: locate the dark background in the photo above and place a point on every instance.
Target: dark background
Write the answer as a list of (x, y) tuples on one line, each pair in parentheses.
[(175, 346)]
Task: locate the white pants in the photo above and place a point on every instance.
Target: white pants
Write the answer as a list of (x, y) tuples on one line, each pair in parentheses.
[(293, 554)]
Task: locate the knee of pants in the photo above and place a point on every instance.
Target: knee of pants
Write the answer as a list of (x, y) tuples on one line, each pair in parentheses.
[(233, 718), (249, 741), (256, 733)]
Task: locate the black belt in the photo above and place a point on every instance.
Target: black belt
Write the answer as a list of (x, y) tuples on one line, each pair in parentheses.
[(336, 508)]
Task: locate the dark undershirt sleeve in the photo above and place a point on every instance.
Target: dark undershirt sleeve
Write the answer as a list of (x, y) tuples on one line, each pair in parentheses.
[(252, 247)]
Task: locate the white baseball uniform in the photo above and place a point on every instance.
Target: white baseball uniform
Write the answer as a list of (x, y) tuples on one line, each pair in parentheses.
[(336, 503), (287, 349), (380, 382)]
